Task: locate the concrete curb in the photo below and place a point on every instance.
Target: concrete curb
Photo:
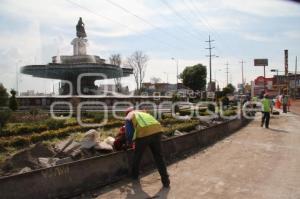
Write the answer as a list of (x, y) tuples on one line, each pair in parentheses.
[(70, 179)]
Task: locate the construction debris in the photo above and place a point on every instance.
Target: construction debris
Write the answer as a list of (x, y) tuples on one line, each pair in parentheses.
[(200, 127), (44, 156), (28, 158), (103, 146), (47, 162), (25, 170), (89, 139), (177, 132), (64, 161), (109, 140)]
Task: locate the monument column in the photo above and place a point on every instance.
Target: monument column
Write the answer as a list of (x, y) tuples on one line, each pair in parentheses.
[(79, 46)]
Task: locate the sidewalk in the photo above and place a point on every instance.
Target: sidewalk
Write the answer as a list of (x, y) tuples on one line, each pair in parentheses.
[(252, 163), (295, 107)]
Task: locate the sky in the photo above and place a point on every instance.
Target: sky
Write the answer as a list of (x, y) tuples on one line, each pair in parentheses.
[(32, 31)]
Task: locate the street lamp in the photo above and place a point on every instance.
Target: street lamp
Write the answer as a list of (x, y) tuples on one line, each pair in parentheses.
[(18, 62), (176, 60), (274, 70)]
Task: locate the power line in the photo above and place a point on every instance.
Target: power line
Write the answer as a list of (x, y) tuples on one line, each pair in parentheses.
[(141, 19), (183, 30), (194, 13), (202, 19), (121, 24), (179, 15), (205, 22)]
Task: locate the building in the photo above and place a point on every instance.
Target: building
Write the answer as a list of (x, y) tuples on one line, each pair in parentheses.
[(287, 84), (163, 88), (261, 84)]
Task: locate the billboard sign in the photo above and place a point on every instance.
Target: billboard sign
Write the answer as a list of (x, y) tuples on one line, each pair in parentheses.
[(260, 62)]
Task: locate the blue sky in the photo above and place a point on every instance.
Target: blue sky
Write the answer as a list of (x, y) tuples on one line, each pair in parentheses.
[(32, 31)]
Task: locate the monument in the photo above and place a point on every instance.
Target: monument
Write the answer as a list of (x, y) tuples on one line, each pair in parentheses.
[(79, 68)]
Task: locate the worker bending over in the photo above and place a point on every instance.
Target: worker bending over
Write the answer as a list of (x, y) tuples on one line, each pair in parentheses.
[(145, 130)]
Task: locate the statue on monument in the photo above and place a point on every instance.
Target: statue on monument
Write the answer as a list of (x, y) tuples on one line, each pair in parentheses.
[(80, 32), (80, 42)]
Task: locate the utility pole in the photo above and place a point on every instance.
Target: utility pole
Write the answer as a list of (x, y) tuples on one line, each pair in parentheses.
[(243, 80), (226, 73), (176, 60), (295, 89), (210, 56)]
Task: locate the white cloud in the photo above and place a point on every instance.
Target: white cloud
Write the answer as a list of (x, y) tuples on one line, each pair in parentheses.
[(293, 34), (97, 15), (258, 37), (265, 8), (41, 29)]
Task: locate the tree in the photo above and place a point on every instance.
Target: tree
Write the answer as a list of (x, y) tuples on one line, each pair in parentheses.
[(4, 111), (4, 117), (116, 59), (13, 104), (229, 89), (194, 77), (3, 96), (155, 80), (138, 62)]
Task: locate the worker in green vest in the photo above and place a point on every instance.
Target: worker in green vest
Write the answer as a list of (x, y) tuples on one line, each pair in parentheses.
[(266, 109), (145, 130), (254, 99)]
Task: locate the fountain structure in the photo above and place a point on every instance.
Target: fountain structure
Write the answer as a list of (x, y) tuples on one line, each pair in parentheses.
[(79, 70)]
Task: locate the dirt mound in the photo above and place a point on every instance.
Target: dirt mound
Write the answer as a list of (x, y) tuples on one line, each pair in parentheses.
[(41, 150), (42, 155), (28, 158)]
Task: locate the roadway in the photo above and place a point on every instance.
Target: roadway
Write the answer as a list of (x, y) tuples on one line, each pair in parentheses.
[(252, 163)]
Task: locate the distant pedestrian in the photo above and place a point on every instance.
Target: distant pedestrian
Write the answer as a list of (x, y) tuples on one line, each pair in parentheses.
[(278, 102), (289, 104), (284, 103), (266, 109)]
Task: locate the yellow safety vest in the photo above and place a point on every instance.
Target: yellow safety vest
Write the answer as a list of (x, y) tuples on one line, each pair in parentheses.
[(266, 105), (145, 125)]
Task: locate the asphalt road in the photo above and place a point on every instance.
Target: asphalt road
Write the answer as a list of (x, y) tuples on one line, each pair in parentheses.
[(252, 163)]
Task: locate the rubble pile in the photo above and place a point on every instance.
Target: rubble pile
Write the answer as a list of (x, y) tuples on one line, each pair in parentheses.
[(43, 155)]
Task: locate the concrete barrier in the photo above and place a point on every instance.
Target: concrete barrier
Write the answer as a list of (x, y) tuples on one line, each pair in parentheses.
[(74, 178)]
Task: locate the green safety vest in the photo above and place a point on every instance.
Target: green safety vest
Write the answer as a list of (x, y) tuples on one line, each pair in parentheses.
[(266, 105), (145, 125)]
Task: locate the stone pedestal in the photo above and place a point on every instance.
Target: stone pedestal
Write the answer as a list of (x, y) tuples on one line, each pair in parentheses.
[(79, 46)]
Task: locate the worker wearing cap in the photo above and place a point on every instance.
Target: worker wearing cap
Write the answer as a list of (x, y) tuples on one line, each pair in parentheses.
[(145, 130), (266, 109)]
